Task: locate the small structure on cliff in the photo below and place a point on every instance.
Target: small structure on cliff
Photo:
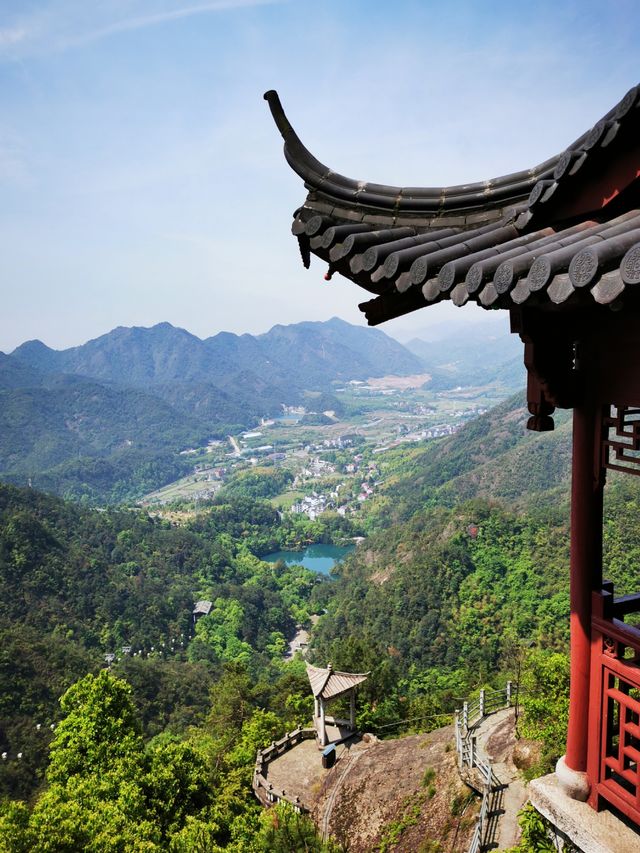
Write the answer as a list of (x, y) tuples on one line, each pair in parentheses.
[(558, 246), (327, 685)]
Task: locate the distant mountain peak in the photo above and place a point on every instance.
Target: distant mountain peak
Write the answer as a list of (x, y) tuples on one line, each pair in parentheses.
[(34, 346), (141, 356)]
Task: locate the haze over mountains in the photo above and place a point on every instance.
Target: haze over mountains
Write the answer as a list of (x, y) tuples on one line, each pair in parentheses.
[(473, 355)]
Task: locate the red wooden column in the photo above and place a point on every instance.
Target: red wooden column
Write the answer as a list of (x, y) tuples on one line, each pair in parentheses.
[(586, 573)]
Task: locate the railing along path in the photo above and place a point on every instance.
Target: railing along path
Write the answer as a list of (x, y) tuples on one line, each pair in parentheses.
[(466, 721)]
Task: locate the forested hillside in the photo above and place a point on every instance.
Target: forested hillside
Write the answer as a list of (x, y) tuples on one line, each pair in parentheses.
[(454, 585), (448, 593), (140, 357), (76, 584), (494, 456)]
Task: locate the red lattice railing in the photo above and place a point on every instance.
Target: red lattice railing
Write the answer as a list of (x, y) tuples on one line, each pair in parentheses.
[(621, 439), (614, 715)]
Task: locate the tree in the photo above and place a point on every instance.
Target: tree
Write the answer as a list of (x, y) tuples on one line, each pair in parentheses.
[(106, 792), (546, 705), (100, 729), (285, 831)]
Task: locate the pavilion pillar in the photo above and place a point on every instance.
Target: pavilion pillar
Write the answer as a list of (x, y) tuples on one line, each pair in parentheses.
[(322, 728), (352, 709), (585, 575)]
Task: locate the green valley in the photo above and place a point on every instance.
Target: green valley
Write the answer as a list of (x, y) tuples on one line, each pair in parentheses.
[(458, 582)]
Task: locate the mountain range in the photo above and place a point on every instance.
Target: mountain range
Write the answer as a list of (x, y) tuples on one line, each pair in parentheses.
[(162, 354), (114, 412)]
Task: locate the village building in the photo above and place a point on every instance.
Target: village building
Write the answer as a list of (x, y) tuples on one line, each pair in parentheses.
[(558, 246)]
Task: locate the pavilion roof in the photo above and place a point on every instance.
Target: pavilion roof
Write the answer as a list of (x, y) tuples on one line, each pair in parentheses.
[(328, 683), (561, 235)]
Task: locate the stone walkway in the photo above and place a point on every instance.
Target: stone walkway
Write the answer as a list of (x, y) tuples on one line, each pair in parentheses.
[(495, 739), (298, 771)]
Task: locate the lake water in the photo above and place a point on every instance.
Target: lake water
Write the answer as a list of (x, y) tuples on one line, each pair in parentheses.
[(320, 558)]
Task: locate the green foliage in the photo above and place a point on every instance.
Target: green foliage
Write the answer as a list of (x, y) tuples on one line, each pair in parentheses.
[(107, 791), (432, 610), (220, 630), (175, 784), (393, 831), (460, 803), (430, 846), (14, 825), (100, 729), (621, 535), (256, 733), (426, 601), (428, 777), (104, 793), (257, 483), (535, 836), (546, 705), (283, 830), (492, 456), (90, 441), (76, 583)]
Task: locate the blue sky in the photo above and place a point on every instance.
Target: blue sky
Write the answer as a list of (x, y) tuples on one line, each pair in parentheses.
[(143, 180)]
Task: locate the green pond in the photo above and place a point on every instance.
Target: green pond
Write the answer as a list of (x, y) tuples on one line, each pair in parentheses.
[(319, 558)]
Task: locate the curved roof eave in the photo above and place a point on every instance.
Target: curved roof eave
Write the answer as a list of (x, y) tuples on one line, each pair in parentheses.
[(412, 200)]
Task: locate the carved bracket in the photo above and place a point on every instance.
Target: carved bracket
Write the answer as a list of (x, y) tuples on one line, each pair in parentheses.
[(550, 359)]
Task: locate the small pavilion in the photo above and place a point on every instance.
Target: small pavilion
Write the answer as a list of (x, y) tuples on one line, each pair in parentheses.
[(558, 246), (327, 685), (200, 609)]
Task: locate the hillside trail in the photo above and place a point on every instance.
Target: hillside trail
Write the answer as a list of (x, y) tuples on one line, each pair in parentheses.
[(495, 740), (352, 757)]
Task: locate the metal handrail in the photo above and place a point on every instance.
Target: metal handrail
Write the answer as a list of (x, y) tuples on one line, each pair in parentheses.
[(466, 720)]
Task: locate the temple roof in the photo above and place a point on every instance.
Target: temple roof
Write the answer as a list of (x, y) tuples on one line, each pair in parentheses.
[(327, 683), (564, 233)]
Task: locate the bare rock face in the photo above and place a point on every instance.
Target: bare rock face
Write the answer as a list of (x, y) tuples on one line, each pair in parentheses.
[(407, 791), (369, 738), (526, 754)]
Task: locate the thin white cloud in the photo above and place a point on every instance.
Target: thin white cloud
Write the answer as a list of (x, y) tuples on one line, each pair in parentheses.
[(65, 25), (12, 36), (143, 21)]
